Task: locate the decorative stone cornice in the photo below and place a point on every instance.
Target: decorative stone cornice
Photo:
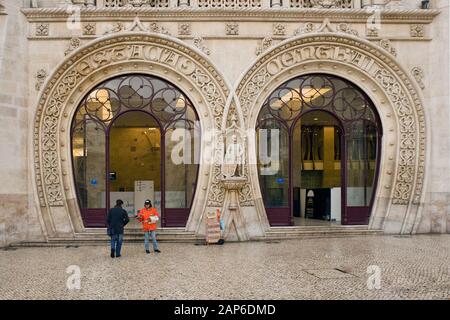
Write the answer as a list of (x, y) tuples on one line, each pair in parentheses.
[(273, 14)]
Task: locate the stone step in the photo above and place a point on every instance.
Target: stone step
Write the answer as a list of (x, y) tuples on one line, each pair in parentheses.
[(300, 234)]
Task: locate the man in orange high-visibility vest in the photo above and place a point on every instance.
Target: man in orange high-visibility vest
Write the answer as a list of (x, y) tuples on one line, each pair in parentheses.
[(149, 217)]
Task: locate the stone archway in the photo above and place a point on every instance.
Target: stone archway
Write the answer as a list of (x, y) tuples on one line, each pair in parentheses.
[(399, 196), (119, 54)]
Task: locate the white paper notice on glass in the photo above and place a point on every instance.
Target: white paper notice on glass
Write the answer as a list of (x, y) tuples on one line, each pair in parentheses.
[(143, 190)]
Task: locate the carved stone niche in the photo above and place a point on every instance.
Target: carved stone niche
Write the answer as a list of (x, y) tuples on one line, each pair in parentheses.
[(233, 179)]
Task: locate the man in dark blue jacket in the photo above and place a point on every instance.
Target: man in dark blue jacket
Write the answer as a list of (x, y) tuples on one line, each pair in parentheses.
[(117, 220)]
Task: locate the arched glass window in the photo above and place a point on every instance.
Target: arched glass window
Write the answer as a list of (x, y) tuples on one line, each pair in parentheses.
[(323, 166), (135, 137)]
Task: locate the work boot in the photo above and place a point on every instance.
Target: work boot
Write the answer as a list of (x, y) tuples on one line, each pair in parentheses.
[(148, 251), (112, 253)]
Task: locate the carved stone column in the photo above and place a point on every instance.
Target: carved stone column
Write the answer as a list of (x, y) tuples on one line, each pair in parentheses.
[(235, 228)]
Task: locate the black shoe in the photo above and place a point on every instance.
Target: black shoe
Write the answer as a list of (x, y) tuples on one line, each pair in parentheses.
[(157, 250), (148, 251), (112, 253), (118, 256)]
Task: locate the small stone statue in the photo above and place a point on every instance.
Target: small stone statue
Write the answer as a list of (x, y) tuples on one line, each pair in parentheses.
[(234, 159)]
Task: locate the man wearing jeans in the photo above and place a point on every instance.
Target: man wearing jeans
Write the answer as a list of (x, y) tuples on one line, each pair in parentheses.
[(117, 220), (149, 218)]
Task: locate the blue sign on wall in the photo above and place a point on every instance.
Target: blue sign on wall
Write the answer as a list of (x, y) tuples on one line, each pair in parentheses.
[(94, 181), (280, 180)]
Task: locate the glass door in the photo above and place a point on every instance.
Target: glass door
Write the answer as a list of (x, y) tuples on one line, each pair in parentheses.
[(135, 162)]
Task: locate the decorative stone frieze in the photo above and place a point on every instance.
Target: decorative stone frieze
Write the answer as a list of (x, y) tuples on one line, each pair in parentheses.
[(273, 15)]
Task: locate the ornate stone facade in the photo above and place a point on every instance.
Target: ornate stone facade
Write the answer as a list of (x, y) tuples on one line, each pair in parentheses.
[(227, 67)]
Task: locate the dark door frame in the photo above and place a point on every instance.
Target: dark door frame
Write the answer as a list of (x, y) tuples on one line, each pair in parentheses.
[(96, 217), (274, 213)]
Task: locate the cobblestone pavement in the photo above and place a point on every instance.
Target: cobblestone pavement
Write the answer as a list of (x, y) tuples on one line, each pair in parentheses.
[(415, 267)]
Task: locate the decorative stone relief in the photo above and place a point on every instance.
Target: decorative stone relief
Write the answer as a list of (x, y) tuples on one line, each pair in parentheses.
[(200, 43), (331, 3), (154, 27), (417, 30), (409, 178), (41, 75), (326, 26), (137, 3), (116, 27), (89, 29), (184, 29), (137, 25), (346, 28), (278, 29), (307, 28), (263, 45), (73, 45), (372, 31), (42, 29), (232, 29), (418, 74), (143, 48), (387, 45)]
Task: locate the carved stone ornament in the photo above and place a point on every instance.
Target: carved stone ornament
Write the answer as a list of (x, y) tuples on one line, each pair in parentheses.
[(89, 29), (360, 55), (73, 45), (232, 29), (41, 75), (417, 30), (330, 3), (137, 26), (200, 43), (184, 29), (138, 3), (372, 30), (326, 26), (125, 49), (307, 28), (42, 29), (418, 74), (387, 45), (279, 29), (263, 45)]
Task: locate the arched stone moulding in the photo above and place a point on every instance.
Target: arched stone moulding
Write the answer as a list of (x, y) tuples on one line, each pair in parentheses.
[(134, 52), (399, 195)]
